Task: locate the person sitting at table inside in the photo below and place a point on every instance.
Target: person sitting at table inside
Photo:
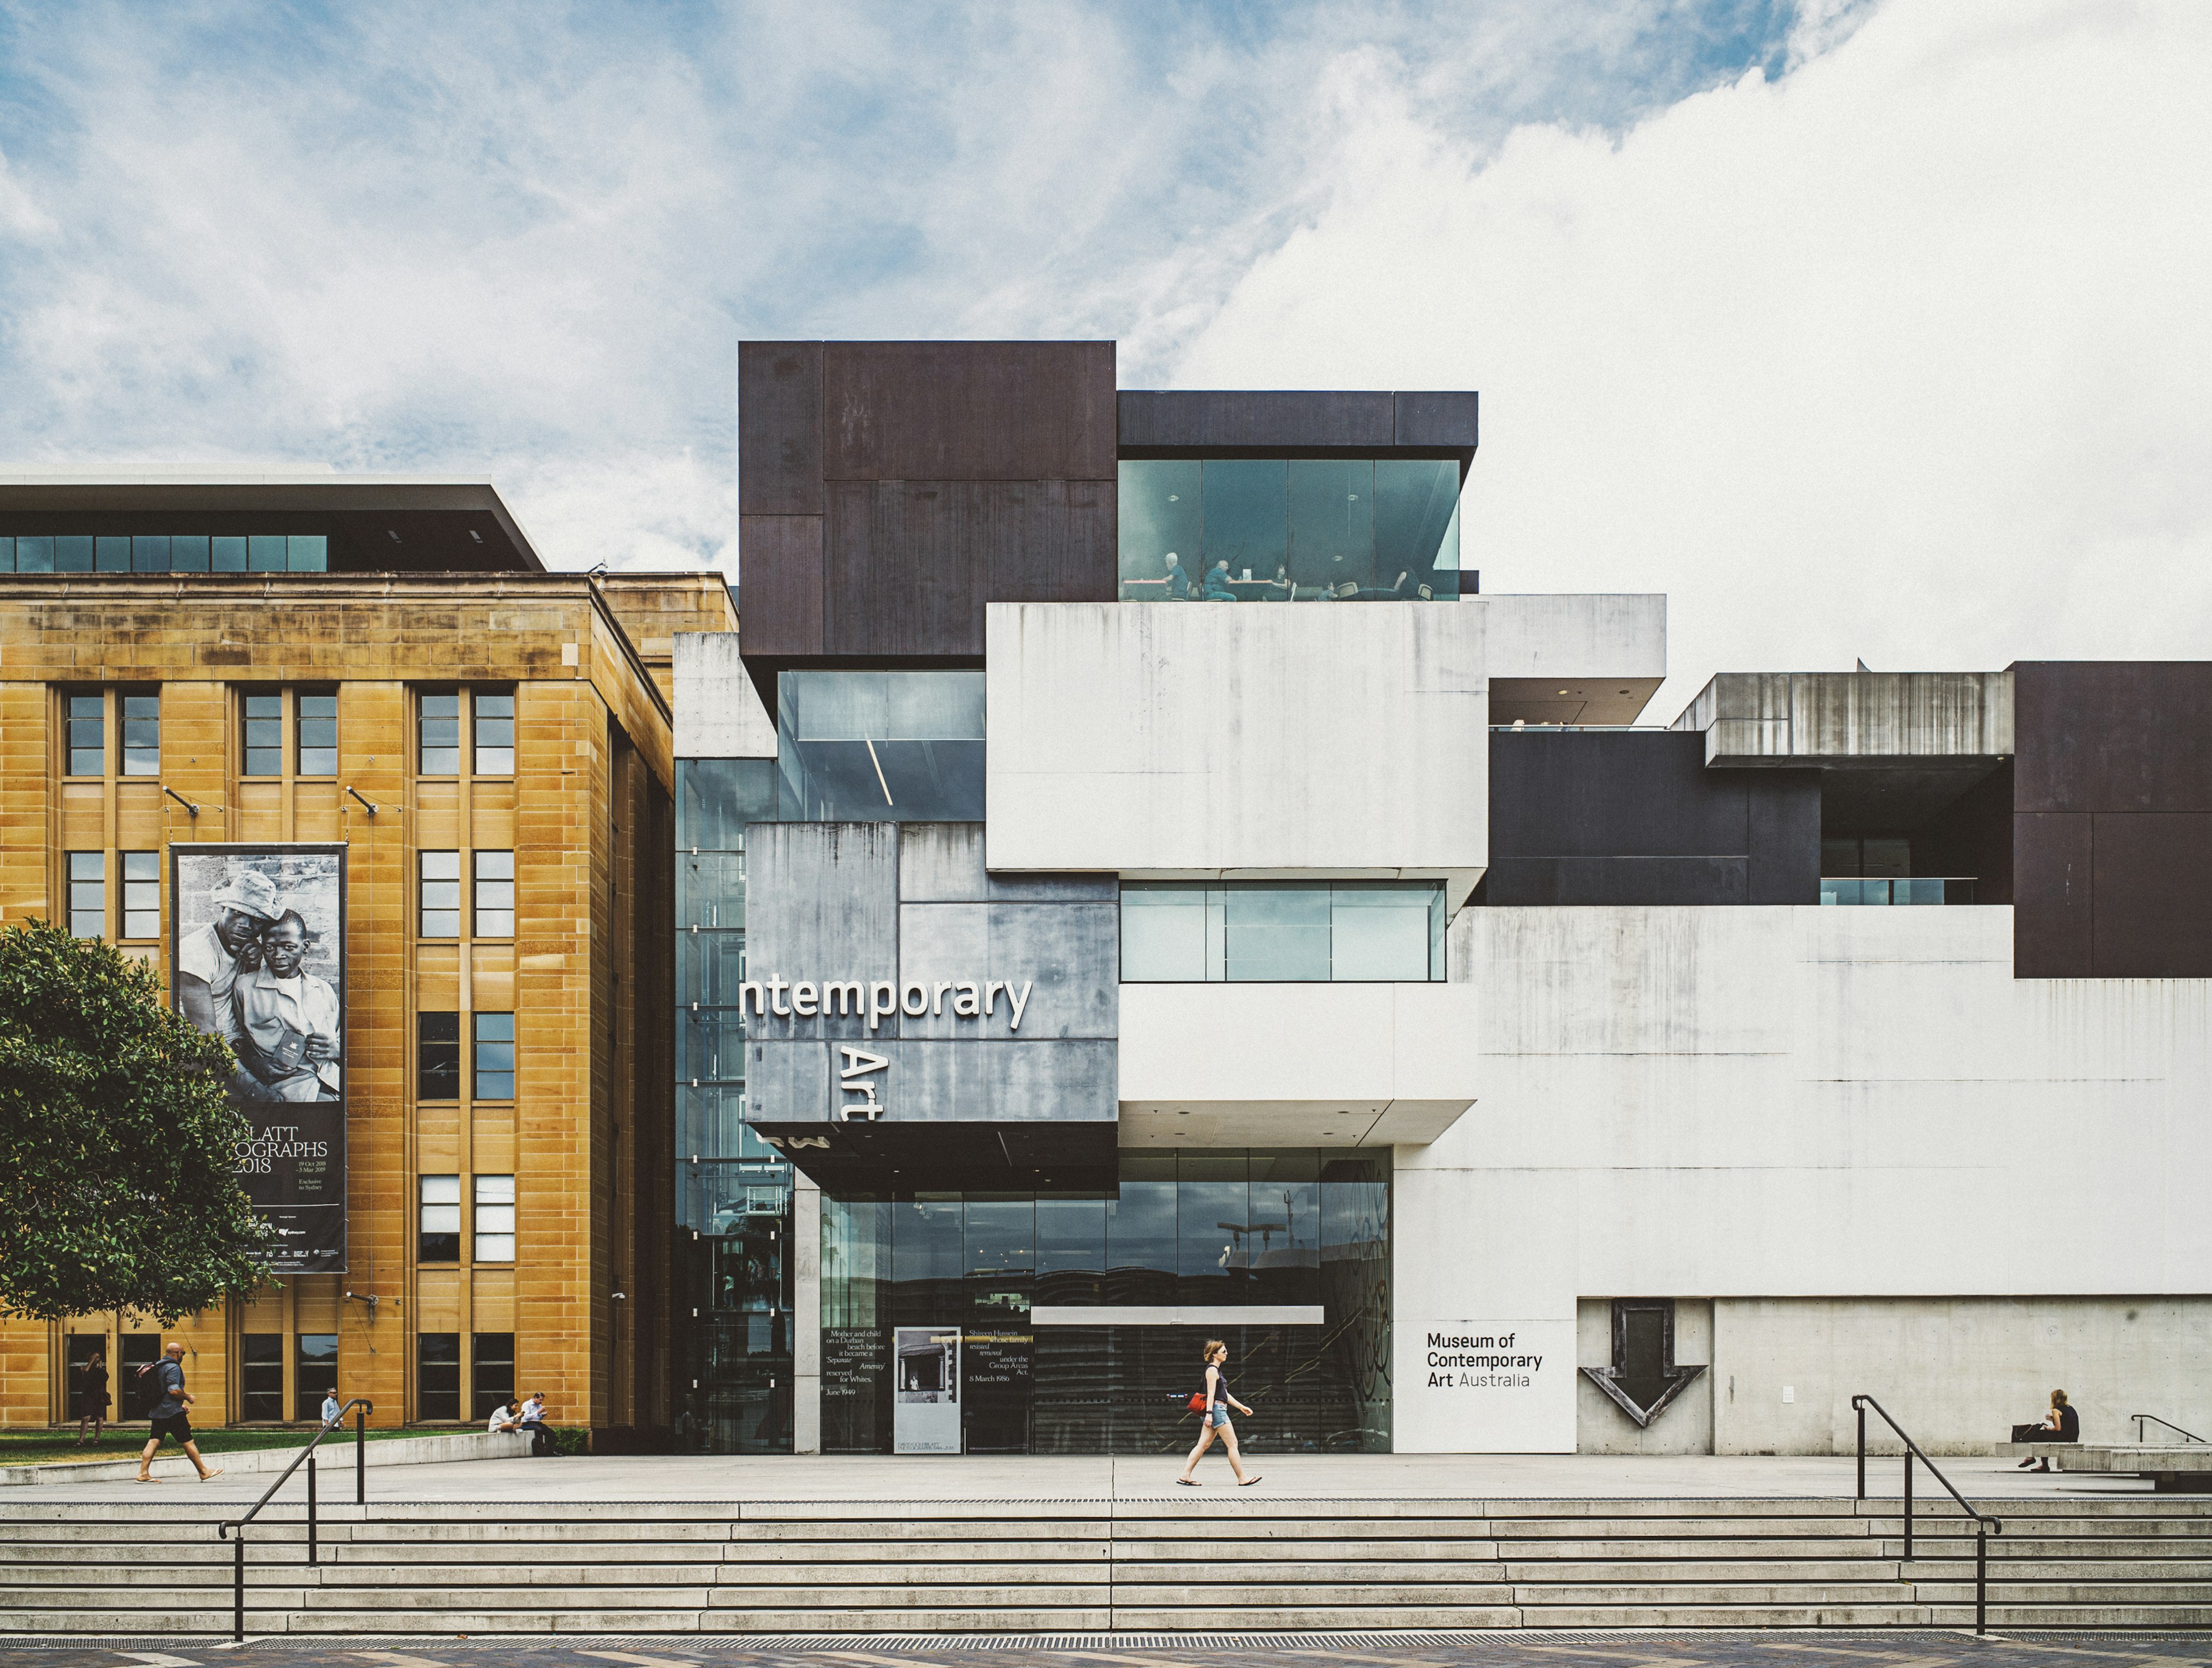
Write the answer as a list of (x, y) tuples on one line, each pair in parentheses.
[(1217, 583), (1177, 581), (2061, 1424), (1278, 588)]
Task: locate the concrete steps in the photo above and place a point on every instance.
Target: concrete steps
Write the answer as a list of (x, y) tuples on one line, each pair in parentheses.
[(1090, 1566)]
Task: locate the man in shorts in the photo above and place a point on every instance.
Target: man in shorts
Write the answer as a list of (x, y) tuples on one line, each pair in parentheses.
[(169, 1416)]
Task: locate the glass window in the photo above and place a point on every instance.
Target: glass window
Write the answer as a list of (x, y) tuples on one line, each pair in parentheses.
[(319, 735), (307, 553), (437, 1057), (494, 894), (314, 1375), (890, 747), (87, 894), (142, 894), (1278, 932), (149, 553), (227, 553), (73, 552), (495, 1205), (437, 1375), (34, 553), (1140, 1231), (491, 1372), (1350, 931), (113, 554), (7, 555), (1212, 1221), (141, 734), (1282, 530), (261, 1377), (716, 797), (439, 748), (442, 893), (495, 1057), (188, 553), (88, 735), (439, 1238), (265, 734), (264, 553), (494, 736)]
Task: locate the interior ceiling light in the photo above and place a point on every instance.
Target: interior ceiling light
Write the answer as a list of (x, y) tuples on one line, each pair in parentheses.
[(394, 532), (476, 537), (1563, 692)]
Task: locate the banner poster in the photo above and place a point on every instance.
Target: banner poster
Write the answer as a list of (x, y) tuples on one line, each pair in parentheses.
[(257, 957)]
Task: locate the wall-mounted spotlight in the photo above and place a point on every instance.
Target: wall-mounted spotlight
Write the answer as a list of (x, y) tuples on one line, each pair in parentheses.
[(180, 799), (370, 803)]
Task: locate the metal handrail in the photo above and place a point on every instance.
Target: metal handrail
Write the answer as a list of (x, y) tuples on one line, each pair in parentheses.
[(360, 1407), (1985, 1525), (2168, 1423)]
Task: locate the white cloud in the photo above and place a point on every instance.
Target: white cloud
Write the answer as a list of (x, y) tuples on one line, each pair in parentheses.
[(1902, 355)]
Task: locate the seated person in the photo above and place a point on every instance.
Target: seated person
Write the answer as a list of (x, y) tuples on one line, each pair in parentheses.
[(505, 1417), (1217, 583), (2061, 1424), (1280, 588), (1177, 581)]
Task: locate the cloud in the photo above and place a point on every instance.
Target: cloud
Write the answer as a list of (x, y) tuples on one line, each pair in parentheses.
[(1901, 355), (523, 242)]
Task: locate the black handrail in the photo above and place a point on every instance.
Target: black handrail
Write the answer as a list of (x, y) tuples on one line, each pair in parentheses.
[(2168, 1423), (361, 1408), (1985, 1523)]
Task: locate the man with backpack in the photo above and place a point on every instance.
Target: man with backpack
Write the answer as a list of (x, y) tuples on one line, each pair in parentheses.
[(169, 1417)]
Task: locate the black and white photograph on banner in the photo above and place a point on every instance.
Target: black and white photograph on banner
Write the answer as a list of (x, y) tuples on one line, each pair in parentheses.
[(260, 961)]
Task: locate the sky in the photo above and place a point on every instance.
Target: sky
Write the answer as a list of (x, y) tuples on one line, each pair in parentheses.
[(1866, 330)]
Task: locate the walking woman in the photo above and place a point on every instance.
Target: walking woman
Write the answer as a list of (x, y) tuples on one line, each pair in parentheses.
[(92, 1404), (1219, 1401)]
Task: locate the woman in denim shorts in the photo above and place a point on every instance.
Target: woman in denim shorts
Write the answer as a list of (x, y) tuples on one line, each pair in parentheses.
[(1219, 1401)]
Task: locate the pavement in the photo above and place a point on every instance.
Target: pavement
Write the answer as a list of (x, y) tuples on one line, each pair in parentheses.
[(719, 1478), (1774, 1648)]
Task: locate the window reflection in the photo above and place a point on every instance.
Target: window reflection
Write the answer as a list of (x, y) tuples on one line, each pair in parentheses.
[(162, 553), (1290, 529), (880, 746), (1190, 932)]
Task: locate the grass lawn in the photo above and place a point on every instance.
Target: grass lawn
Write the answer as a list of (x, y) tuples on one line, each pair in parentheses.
[(29, 1448)]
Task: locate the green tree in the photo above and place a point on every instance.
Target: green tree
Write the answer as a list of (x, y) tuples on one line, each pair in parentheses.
[(118, 1186)]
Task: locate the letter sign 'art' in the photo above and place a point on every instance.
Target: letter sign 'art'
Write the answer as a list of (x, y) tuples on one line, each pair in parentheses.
[(856, 1077)]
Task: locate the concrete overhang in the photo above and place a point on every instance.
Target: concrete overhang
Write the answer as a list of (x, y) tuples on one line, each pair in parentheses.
[(1862, 720), (1568, 659)]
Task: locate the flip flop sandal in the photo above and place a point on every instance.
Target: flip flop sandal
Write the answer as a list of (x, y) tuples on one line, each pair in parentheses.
[(1186, 1482), (1249, 1481)]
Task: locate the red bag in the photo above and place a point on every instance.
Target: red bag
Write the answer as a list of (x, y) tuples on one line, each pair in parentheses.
[(1197, 1401)]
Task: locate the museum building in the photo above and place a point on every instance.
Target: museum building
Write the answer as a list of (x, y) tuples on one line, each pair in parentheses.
[(1066, 970)]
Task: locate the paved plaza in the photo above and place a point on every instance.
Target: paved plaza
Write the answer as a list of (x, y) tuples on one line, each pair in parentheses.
[(970, 1476)]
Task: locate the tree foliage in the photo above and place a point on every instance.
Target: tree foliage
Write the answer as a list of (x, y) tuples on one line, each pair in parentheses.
[(118, 1188)]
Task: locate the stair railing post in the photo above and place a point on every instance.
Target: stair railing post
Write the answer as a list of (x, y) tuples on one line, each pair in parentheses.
[(1861, 1411), (238, 1588), (311, 1508), (1908, 1503), (1981, 1578), (361, 1453)]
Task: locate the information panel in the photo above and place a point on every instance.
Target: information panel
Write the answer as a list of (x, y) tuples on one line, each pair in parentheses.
[(258, 958)]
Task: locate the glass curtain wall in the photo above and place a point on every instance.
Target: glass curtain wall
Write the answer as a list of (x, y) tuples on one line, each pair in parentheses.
[(880, 746), (733, 1193), (1190, 932), (1221, 1228), (1273, 530)]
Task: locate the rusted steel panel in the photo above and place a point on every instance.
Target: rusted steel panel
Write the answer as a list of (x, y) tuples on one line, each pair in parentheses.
[(779, 427), (2051, 922), (780, 558), (968, 410)]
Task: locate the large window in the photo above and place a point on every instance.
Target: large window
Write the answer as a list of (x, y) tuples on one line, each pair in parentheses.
[(1351, 932), (142, 734), (438, 751), (437, 1376), (86, 722), (264, 733), (164, 553), (493, 752), (493, 1076), (87, 894), (314, 1373), (880, 746), (438, 1239), (261, 1377), (495, 1224), (489, 718), (438, 1057), (494, 894), (442, 893), (142, 894), (319, 735), (1273, 530), (491, 1372)]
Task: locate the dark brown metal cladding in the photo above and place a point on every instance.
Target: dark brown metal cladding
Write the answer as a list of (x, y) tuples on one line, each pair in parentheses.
[(968, 410), (910, 564), (780, 429), (2112, 819), (780, 560), (2152, 907), (2051, 919), (1438, 419), (1276, 420)]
